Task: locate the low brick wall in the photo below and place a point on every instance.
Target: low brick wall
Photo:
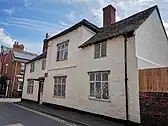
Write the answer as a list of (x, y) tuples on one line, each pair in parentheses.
[(154, 108)]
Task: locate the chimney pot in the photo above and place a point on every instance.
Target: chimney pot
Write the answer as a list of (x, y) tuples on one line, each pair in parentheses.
[(47, 35), (109, 15), (17, 47)]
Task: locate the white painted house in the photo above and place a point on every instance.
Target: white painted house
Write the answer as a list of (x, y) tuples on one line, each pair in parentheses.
[(34, 78), (96, 69)]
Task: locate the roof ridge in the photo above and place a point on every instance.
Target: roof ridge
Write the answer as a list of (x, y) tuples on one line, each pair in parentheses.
[(128, 24), (73, 27), (153, 7), (31, 53)]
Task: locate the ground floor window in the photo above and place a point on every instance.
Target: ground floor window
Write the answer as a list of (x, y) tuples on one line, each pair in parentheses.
[(99, 85), (59, 86), (30, 86), (20, 84)]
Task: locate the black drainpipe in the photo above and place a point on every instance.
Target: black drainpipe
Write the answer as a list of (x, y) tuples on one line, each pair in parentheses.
[(126, 77)]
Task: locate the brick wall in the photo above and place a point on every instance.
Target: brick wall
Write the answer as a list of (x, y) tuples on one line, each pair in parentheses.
[(154, 108)]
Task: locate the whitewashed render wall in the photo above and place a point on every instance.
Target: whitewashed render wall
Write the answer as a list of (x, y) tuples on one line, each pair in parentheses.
[(151, 43), (76, 68)]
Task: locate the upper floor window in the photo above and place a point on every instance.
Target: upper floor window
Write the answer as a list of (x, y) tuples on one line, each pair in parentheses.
[(6, 68), (43, 64), (99, 85), (100, 50), (22, 66), (32, 66), (62, 51), (30, 86)]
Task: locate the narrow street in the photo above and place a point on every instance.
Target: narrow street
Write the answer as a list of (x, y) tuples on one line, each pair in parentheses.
[(11, 115)]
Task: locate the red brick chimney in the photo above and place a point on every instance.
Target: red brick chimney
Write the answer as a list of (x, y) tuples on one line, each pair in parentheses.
[(45, 43), (109, 15), (18, 47)]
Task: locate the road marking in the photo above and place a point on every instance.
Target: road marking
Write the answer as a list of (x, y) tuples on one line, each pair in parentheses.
[(18, 124), (48, 116)]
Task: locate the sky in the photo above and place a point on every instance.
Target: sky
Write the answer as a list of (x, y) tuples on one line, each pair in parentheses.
[(27, 21)]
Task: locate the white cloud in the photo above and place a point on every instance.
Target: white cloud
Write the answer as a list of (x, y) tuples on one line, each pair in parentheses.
[(5, 39), (27, 3), (33, 24), (9, 11), (32, 46), (71, 16)]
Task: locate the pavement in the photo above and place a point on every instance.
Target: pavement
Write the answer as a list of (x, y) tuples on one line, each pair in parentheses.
[(13, 115), (10, 100), (70, 116)]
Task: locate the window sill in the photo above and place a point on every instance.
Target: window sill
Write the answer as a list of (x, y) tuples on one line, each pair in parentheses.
[(61, 97), (61, 60), (100, 57), (30, 93), (103, 100)]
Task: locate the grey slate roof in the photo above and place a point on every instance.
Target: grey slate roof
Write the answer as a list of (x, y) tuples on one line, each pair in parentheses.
[(127, 25), (41, 56), (83, 22), (24, 55)]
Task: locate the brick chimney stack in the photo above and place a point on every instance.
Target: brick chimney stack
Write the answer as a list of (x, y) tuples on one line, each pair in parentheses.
[(18, 47), (109, 15), (45, 42)]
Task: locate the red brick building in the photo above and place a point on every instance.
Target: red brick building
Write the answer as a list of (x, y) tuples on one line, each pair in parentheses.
[(12, 65)]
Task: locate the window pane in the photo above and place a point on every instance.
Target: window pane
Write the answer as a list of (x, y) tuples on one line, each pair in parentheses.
[(105, 77), (55, 90), (66, 44), (59, 90), (105, 90), (97, 51), (55, 80), (61, 57), (64, 79), (92, 77), (98, 77), (103, 49), (58, 79), (62, 45), (66, 54), (98, 90), (31, 89), (92, 89), (58, 47), (63, 90)]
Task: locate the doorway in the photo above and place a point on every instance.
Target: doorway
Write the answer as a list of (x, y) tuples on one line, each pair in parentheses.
[(40, 92)]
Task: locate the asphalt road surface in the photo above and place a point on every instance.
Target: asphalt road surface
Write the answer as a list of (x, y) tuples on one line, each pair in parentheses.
[(11, 115)]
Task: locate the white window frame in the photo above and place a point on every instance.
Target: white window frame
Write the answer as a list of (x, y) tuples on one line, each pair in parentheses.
[(59, 84), (100, 50), (43, 64), (22, 66), (30, 84), (100, 81), (20, 80), (6, 68), (32, 67), (61, 52)]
